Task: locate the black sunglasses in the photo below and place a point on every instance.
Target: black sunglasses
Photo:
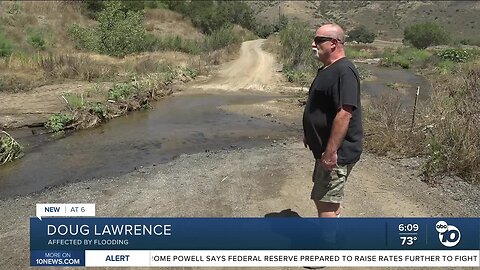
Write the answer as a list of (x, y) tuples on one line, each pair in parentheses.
[(319, 39)]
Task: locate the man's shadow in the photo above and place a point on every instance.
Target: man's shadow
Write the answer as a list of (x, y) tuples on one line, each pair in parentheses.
[(284, 213)]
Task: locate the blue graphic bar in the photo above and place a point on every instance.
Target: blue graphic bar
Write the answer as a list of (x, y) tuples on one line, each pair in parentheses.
[(80, 234)]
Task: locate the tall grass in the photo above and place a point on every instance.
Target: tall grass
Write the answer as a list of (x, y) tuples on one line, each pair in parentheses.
[(405, 57), (361, 51), (74, 67), (447, 127), (387, 128), (173, 43), (454, 142), (20, 72)]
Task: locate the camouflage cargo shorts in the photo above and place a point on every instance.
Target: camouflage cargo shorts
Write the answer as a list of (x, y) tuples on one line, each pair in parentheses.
[(329, 186)]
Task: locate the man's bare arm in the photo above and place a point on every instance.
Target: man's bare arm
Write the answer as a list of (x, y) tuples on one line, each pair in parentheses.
[(339, 130)]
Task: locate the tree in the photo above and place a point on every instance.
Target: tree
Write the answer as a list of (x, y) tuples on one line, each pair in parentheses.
[(425, 34), (361, 34)]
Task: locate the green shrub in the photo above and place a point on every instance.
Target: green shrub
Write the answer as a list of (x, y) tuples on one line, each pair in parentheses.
[(169, 75), (84, 38), (361, 34), (404, 63), (35, 38), (295, 76), (121, 91), (264, 30), (189, 72), (173, 43), (9, 148), (455, 55), (405, 57), (426, 34), (363, 72), (120, 33), (220, 38), (210, 16), (98, 109), (59, 122), (6, 47), (237, 12), (389, 58), (353, 52), (296, 52), (14, 9), (77, 103), (206, 16), (447, 66)]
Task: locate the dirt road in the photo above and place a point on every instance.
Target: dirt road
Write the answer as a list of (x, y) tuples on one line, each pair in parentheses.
[(242, 182), (253, 70)]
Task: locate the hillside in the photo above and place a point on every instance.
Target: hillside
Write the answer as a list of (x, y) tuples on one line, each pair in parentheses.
[(52, 19), (386, 18)]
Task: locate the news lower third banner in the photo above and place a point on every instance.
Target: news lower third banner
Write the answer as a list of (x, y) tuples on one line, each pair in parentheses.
[(254, 242)]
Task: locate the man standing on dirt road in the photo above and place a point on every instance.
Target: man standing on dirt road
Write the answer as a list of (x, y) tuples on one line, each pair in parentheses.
[(332, 120)]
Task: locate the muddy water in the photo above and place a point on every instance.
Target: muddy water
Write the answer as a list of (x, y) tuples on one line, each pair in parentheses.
[(377, 86), (176, 125)]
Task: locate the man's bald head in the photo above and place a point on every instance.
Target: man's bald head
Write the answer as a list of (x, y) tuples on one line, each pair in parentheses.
[(331, 30), (328, 43)]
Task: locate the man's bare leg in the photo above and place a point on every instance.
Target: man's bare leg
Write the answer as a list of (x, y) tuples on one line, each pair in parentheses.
[(327, 210)]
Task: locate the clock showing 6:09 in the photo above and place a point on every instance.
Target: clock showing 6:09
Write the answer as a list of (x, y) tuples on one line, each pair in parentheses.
[(409, 227)]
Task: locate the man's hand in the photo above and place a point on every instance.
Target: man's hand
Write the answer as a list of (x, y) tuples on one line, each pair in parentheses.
[(329, 160)]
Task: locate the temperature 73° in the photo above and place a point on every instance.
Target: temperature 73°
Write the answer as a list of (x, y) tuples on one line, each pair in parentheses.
[(408, 240)]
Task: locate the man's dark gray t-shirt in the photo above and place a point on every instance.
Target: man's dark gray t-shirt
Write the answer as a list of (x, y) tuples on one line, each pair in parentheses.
[(333, 87)]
